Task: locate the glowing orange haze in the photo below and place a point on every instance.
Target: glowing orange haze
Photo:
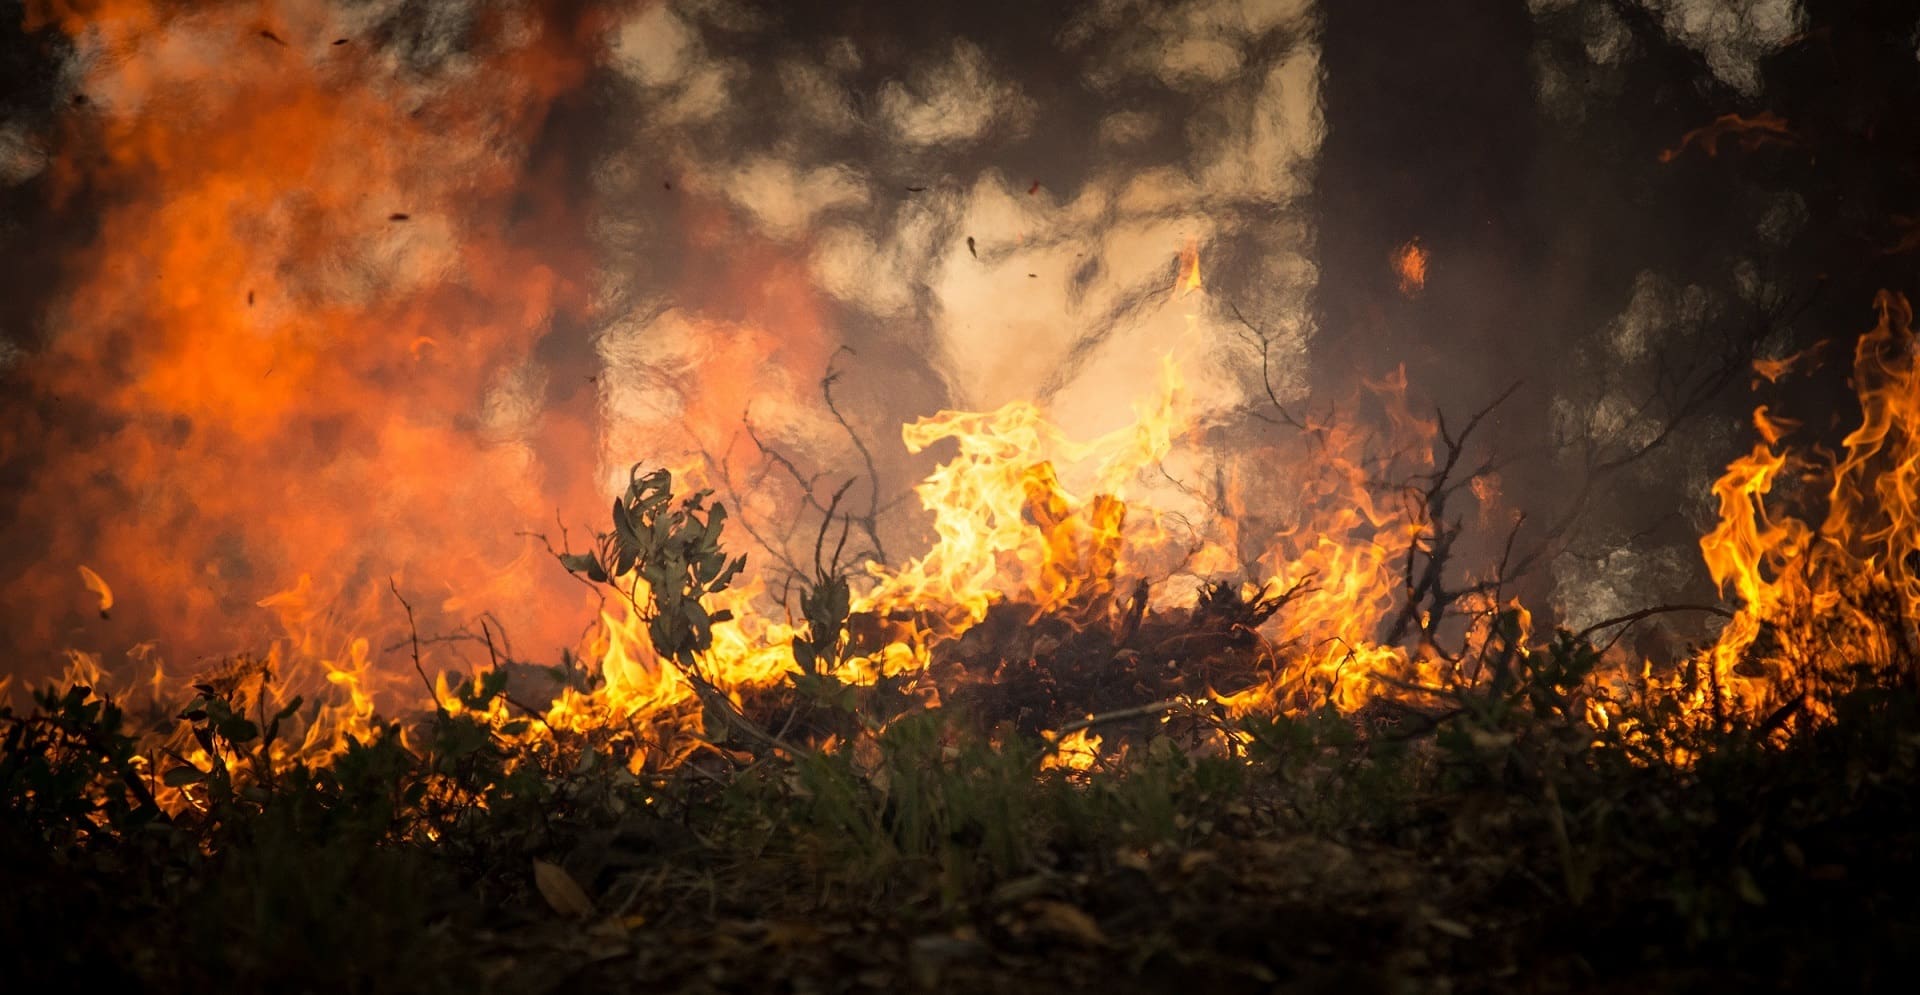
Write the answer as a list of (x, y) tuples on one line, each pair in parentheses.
[(302, 338)]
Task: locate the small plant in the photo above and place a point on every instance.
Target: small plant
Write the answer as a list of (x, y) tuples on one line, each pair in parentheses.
[(674, 551), (826, 604), (68, 771)]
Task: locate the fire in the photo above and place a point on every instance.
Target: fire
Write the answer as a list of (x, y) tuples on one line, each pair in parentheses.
[(1410, 263), (98, 587), (1751, 133), (1841, 592), (309, 321), (1006, 525), (1076, 751), (1189, 279), (321, 347)]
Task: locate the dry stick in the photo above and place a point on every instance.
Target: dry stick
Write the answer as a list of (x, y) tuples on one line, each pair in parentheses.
[(715, 701), (1632, 617), (1781, 716), (1429, 587), (1266, 380), (1138, 711), (824, 570), (415, 632), (494, 659), (869, 524)]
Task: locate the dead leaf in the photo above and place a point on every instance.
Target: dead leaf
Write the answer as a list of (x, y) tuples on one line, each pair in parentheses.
[(1066, 922), (1020, 890), (1193, 860), (561, 891), (605, 939)]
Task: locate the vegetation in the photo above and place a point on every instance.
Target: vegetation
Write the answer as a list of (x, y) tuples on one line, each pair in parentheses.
[(1496, 837)]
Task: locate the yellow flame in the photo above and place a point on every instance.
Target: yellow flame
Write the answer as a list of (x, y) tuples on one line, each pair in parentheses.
[(98, 587)]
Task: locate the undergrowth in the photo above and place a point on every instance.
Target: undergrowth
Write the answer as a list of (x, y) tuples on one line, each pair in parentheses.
[(1494, 837), (1533, 848)]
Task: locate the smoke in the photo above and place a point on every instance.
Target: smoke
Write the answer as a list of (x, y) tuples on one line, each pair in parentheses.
[(984, 207), (298, 357), (375, 288), (372, 290)]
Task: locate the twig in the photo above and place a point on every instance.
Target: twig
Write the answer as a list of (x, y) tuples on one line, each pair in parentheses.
[(494, 659), (870, 523), (1266, 363), (1428, 588), (415, 632), (1138, 711), (1632, 617), (715, 701)]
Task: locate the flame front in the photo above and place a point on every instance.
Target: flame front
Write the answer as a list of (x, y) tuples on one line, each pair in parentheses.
[(1841, 593), (293, 428)]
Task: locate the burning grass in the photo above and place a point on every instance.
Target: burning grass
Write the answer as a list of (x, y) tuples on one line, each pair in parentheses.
[(1501, 842), (1061, 781)]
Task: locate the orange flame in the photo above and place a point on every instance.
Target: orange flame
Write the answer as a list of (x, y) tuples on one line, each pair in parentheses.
[(1752, 132), (309, 322), (1410, 263), (1842, 593), (98, 587), (1189, 279), (318, 351)]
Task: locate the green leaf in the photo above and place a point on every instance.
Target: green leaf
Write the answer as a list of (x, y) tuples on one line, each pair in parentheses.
[(623, 524), (585, 563)]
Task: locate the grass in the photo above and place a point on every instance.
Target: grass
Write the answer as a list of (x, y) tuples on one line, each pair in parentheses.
[(1509, 846), (1492, 837)]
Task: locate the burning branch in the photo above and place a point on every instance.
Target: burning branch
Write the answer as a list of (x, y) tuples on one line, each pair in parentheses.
[(1427, 597), (414, 633)]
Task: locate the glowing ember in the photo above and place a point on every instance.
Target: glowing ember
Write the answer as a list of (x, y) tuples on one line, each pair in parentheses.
[(1751, 133), (1410, 263)]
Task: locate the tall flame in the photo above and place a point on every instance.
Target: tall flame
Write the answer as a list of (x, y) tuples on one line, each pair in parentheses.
[(1843, 592)]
